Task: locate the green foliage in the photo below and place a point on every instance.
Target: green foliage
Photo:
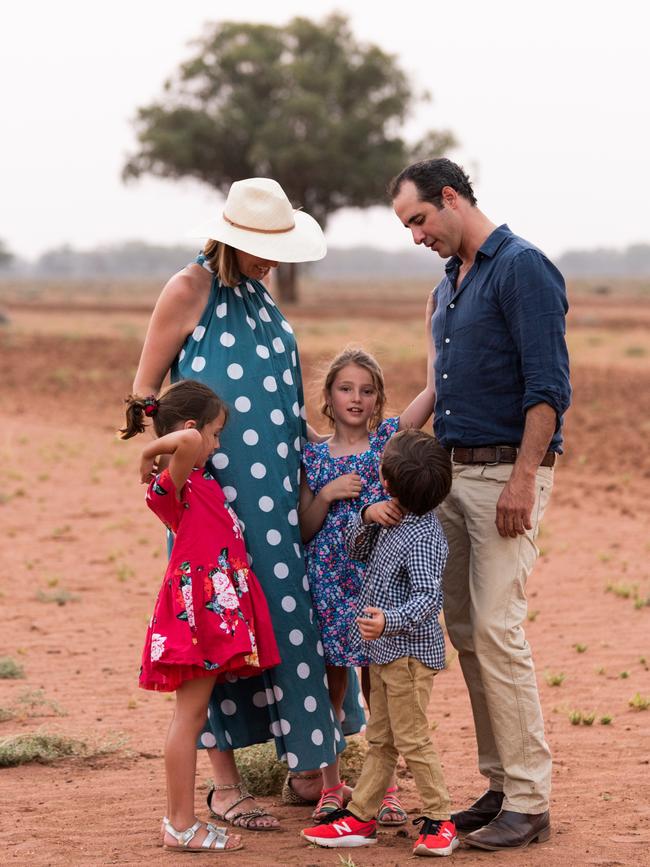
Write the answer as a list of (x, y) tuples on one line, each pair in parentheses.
[(264, 775), (10, 670), (45, 748), (304, 103), (554, 679), (639, 702)]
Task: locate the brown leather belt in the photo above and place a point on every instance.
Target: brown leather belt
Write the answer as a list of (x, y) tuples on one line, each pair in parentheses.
[(493, 455)]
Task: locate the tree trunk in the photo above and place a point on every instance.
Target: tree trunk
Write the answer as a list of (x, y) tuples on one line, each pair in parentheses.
[(287, 282)]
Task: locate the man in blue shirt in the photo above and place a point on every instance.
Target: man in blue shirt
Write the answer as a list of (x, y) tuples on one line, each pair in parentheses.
[(502, 388)]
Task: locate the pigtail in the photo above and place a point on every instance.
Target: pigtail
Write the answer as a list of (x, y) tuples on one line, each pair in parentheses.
[(137, 410)]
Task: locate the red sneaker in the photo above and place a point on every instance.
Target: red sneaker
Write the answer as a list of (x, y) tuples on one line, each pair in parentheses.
[(341, 830), (436, 837)]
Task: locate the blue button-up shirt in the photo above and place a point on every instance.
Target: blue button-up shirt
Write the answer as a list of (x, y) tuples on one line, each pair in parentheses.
[(500, 344)]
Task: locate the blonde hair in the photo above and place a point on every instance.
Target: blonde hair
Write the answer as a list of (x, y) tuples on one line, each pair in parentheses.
[(222, 259), (358, 356)]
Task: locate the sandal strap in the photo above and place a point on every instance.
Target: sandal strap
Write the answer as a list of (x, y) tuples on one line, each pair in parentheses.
[(305, 775), (216, 838), (183, 838)]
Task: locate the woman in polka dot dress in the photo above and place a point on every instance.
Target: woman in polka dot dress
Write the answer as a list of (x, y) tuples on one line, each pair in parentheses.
[(215, 322), (210, 619), (342, 476)]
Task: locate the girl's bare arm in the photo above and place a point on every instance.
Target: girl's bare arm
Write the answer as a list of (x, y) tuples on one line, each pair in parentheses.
[(184, 446)]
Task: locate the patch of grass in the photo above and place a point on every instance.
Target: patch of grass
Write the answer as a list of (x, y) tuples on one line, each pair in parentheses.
[(124, 572), (623, 591), (554, 679), (58, 597), (639, 702), (44, 748), (63, 530), (580, 648), (33, 703), (606, 719), (635, 351), (264, 775), (6, 713), (642, 603), (588, 718), (575, 717), (624, 675), (600, 670), (346, 862), (532, 615), (10, 670)]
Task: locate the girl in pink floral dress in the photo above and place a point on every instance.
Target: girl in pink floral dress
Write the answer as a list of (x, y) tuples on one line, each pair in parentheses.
[(211, 621)]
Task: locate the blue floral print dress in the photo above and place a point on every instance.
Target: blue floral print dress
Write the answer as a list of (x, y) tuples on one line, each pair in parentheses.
[(335, 579)]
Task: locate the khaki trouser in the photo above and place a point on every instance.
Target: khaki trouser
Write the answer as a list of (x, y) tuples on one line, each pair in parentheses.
[(399, 697), (485, 607)]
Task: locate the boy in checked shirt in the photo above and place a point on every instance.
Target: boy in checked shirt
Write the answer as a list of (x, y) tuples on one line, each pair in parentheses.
[(401, 600)]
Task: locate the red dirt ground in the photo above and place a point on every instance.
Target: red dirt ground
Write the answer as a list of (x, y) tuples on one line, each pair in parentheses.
[(73, 518)]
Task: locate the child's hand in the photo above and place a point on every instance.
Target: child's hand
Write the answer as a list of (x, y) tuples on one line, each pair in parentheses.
[(346, 487), (372, 624), (148, 469), (386, 513)]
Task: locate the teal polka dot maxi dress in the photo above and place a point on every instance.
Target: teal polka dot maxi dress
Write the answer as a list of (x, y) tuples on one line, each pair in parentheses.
[(245, 350)]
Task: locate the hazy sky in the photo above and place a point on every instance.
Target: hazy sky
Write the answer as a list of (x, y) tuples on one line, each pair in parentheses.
[(549, 102)]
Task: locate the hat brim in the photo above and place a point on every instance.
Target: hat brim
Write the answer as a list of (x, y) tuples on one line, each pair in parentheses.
[(304, 243)]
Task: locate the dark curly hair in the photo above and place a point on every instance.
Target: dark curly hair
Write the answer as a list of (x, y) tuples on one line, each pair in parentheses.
[(417, 469)]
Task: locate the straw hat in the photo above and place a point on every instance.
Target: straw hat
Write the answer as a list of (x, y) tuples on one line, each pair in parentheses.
[(258, 219)]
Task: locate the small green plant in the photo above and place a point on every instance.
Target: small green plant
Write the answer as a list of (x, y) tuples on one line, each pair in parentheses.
[(44, 747), (580, 648), (639, 702), (10, 670), (63, 530), (575, 717), (346, 862), (642, 603), (606, 719), (624, 675), (623, 591), (532, 615), (124, 572), (554, 679), (588, 718), (58, 597), (600, 670), (33, 703)]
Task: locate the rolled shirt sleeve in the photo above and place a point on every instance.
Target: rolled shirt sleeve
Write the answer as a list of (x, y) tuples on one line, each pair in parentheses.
[(534, 305)]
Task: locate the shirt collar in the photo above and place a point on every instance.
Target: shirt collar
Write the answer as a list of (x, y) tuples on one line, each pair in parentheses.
[(488, 248)]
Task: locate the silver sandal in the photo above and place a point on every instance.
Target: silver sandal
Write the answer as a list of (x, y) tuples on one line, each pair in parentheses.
[(215, 840), (244, 818)]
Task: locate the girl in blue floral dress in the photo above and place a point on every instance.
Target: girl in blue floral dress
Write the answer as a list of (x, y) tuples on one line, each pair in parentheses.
[(341, 476)]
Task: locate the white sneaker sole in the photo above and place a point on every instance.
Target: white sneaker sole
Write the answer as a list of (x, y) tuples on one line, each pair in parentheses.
[(424, 850), (349, 842)]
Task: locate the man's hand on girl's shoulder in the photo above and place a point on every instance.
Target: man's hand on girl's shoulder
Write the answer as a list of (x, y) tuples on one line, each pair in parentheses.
[(386, 513)]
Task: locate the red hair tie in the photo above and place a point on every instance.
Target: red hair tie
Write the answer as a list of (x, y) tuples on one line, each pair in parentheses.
[(150, 405)]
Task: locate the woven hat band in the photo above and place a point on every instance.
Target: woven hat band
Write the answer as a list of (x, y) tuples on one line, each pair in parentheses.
[(253, 229)]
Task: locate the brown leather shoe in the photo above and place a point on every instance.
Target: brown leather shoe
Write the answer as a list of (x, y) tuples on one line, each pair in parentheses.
[(481, 812), (512, 831)]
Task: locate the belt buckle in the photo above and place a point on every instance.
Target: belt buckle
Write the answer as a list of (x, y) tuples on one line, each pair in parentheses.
[(497, 453)]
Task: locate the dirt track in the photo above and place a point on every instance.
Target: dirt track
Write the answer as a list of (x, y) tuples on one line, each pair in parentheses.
[(73, 520)]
